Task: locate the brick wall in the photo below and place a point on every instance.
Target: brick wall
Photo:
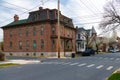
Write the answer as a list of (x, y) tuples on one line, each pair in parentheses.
[(65, 31)]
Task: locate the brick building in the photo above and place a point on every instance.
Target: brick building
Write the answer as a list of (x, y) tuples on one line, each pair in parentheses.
[(38, 35)]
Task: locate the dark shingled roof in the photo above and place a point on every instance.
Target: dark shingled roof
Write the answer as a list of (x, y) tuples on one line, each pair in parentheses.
[(42, 15), (16, 23)]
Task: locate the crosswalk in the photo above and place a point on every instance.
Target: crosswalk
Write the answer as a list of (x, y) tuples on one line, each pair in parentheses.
[(96, 66), (100, 66), (83, 64), (87, 65), (104, 58)]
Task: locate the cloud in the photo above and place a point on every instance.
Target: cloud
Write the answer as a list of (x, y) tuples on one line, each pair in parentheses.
[(81, 11)]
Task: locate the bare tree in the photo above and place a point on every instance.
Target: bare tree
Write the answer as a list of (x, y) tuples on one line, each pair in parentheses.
[(111, 16), (89, 40)]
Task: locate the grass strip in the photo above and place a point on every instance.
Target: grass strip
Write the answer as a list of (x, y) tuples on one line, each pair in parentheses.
[(8, 65), (115, 76)]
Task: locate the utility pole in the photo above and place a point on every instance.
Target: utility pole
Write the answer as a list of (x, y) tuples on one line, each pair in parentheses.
[(58, 28)]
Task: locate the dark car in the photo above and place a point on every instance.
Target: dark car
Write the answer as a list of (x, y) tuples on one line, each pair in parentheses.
[(88, 52)]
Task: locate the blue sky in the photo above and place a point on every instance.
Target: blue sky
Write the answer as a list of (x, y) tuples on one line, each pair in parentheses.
[(85, 13)]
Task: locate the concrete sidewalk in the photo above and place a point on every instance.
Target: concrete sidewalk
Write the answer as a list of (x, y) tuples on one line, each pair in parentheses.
[(117, 71), (20, 61)]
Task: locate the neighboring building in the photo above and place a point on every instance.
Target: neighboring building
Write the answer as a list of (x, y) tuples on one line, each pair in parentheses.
[(38, 35), (81, 38)]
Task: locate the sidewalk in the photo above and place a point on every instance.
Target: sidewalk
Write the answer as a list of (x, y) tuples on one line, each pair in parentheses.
[(117, 71), (20, 61)]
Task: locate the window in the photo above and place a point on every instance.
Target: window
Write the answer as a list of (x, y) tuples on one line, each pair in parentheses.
[(53, 30), (27, 31), (78, 36), (42, 44), (82, 45), (20, 45), (41, 30), (52, 15), (34, 31), (27, 45), (20, 32), (11, 33), (34, 44), (53, 44), (10, 44)]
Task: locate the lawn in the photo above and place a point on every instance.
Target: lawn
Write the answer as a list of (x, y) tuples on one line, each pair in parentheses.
[(115, 76), (8, 65)]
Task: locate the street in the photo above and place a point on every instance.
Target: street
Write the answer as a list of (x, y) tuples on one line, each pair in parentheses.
[(97, 67)]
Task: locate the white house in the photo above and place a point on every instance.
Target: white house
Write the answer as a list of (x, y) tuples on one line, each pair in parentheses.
[(81, 38)]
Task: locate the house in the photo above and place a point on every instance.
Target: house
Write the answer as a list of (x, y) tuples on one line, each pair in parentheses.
[(38, 35), (84, 38), (80, 39)]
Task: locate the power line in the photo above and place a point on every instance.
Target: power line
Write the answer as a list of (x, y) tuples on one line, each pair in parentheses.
[(86, 6), (25, 12), (93, 15), (87, 23), (93, 5), (87, 17), (11, 8), (15, 5)]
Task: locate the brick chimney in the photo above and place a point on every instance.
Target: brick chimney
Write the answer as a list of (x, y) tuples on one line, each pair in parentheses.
[(40, 8), (16, 17)]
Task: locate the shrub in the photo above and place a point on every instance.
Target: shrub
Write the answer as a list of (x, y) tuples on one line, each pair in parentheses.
[(2, 56)]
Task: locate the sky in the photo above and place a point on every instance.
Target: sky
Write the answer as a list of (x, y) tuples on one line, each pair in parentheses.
[(84, 13)]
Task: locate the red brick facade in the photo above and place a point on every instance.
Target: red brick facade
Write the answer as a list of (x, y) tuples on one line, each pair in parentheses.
[(38, 37)]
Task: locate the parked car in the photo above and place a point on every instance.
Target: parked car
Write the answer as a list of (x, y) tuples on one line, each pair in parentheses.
[(88, 52), (114, 50)]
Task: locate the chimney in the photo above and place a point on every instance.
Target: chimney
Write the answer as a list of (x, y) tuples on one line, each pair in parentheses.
[(16, 17), (76, 27), (40, 8)]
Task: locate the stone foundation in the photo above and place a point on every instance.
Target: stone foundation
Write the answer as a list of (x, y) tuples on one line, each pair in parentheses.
[(39, 54)]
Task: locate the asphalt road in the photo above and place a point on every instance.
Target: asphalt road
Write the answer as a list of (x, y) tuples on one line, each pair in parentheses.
[(96, 67)]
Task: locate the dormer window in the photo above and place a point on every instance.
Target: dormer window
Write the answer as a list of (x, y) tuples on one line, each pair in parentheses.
[(53, 30), (42, 30)]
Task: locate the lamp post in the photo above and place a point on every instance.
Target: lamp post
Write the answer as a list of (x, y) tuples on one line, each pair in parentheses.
[(58, 28)]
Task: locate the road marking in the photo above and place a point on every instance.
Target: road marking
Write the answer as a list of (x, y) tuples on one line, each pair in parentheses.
[(74, 64), (82, 64), (91, 65), (100, 66), (109, 68)]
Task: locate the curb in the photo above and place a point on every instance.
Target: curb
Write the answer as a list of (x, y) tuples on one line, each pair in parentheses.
[(116, 71), (22, 62)]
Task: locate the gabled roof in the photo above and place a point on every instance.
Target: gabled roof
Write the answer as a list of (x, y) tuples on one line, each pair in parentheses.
[(93, 30), (81, 29), (16, 23)]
